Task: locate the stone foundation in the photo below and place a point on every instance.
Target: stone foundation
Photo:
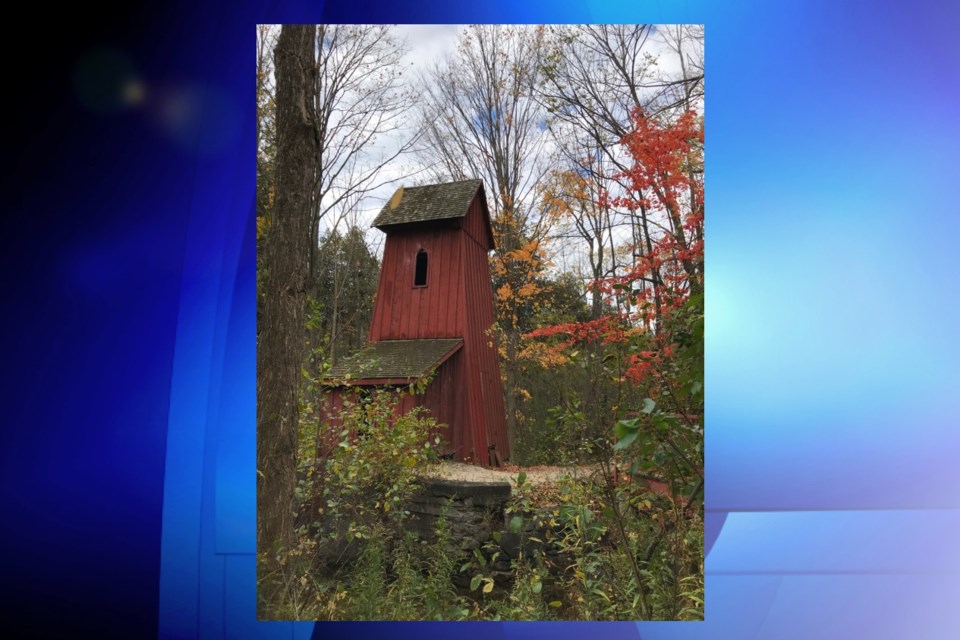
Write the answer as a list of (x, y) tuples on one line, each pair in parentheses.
[(473, 510)]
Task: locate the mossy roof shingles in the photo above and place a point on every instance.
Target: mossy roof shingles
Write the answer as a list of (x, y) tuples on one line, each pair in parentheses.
[(396, 359), (430, 202)]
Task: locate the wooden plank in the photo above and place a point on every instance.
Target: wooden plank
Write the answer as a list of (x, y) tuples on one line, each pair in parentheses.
[(458, 297), (428, 294), (404, 287), (471, 443), (477, 413), (480, 303), (417, 295), (490, 364), (384, 293), (450, 401), (439, 272), (447, 286), (396, 300), (435, 401)]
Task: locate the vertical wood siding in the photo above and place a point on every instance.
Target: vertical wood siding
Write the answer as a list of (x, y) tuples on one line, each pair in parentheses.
[(457, 302), (440, 399), (405, 312)]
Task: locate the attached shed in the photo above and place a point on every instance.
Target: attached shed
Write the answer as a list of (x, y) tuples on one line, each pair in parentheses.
[(433, 313)]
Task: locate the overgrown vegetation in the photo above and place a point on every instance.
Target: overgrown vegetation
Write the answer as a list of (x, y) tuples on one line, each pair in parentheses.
[(598, 279), (607, 545)]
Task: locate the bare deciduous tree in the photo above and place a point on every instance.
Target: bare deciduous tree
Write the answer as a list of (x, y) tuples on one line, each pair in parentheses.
[(360, 100)]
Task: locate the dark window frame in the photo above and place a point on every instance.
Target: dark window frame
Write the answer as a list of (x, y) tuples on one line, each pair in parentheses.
[(421, 269)]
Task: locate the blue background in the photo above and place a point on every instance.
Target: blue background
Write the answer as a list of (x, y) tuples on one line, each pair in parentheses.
[(833, 359)]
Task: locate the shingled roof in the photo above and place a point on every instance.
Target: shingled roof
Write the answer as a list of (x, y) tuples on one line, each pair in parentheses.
[(396, 360), (430, 202)]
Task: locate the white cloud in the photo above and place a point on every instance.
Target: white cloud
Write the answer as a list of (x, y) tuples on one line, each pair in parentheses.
[(428, 43)]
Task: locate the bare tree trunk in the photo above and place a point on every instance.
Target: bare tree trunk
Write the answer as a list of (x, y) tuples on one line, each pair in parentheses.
[(281, 338)]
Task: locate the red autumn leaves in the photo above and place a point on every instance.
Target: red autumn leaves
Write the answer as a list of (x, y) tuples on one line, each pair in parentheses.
[(664, 183)]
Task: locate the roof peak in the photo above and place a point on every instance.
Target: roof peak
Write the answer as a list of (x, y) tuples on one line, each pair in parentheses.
[(428, 203)]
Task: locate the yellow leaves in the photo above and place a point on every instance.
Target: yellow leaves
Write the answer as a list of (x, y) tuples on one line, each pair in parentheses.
[(526, 253), (544, 355), (528, 290), (555, 205), (505, 292), (568, 193)]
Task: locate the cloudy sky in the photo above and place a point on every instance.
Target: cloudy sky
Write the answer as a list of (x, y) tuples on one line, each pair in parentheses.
[(428, 42), (427, 45)]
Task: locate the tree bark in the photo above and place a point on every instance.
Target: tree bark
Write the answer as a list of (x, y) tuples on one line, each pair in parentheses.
[(286, 247)]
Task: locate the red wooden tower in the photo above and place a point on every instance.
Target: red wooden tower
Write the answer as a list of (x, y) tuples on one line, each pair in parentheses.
[(433, 313)]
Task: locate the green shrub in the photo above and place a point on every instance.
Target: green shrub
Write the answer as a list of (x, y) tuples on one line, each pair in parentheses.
[(371, 475)]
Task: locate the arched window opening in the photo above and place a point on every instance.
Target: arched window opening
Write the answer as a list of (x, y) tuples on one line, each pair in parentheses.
[(420, 275)]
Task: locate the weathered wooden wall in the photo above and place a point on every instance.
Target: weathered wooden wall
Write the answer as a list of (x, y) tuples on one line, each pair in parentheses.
[(480, 348), (440, 400), (405, 312), (457, 302)]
